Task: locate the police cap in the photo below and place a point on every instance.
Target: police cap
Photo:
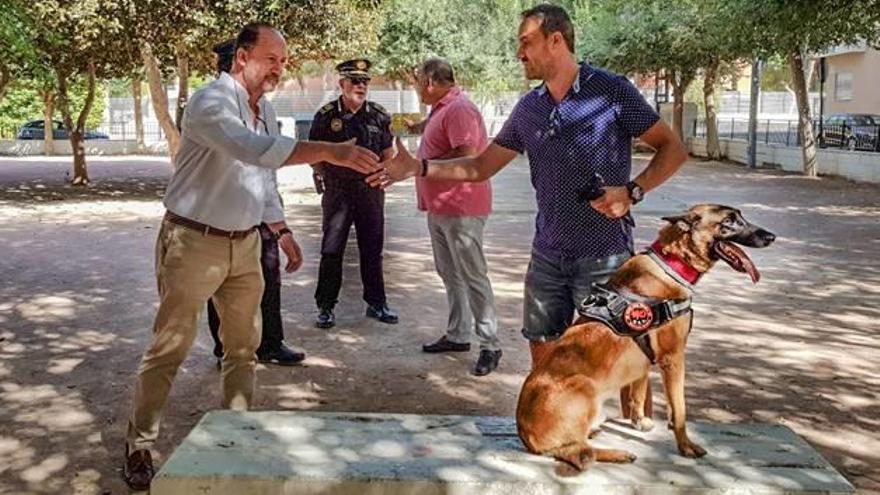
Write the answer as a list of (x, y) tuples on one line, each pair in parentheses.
[(358, 68)]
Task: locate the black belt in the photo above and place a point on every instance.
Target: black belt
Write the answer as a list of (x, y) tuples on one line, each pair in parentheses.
[(346, 184), (206, 229)]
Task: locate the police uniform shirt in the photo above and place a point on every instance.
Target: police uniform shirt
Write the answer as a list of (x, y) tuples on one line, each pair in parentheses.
[(370, 125)]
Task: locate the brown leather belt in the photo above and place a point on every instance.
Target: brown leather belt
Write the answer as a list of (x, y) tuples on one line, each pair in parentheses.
[(206, 229)]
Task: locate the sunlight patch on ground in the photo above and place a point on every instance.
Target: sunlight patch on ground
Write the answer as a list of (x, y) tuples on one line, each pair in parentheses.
[(443, 384), (322, 362), (42, 405), (294, 396), (851, 211), (86, 481), (63, 366), (507, 289), (90, 340), (80, 213), (47, 309), (45, 469), (346, 337), (14, 454), (839, 436)]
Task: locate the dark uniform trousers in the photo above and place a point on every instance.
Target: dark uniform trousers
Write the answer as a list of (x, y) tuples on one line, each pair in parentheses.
[(270, 306), (348, 201)]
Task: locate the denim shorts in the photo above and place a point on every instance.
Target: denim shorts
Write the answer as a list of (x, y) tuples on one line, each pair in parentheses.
[(555, 286)]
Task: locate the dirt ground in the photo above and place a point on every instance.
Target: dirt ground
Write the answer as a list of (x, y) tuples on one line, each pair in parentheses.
[(77, 299)]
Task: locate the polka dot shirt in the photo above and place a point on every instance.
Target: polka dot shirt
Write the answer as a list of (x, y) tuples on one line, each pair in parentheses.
[(589, 131)]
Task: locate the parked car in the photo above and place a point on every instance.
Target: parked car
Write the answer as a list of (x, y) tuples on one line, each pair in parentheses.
[(853, 131), (34, 130)]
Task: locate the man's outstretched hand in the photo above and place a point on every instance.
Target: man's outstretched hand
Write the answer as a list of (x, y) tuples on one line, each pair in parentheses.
[(401, 167), (347, 154)]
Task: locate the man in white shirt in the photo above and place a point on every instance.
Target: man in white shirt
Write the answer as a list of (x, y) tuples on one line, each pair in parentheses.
[(208, 245)]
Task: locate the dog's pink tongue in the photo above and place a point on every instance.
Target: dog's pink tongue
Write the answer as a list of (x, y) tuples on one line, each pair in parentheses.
[(737, 259)]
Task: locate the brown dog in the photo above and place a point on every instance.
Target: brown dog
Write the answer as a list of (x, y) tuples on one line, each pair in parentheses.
[(562, 396)]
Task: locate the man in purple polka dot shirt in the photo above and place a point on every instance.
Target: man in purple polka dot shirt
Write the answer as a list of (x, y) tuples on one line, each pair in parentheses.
[(579, 122)]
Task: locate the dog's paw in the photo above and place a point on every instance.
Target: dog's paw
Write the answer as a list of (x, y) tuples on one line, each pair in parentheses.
[(615, 455), (643, 424), (691, 450)]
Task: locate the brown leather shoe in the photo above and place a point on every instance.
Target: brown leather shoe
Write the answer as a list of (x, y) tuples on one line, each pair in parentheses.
[(138, 471)]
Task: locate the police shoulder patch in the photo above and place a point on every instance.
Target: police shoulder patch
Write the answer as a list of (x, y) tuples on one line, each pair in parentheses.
[(326, 108), (379, 108)]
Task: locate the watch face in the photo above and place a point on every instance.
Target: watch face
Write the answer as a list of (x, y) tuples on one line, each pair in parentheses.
[(635, 191)]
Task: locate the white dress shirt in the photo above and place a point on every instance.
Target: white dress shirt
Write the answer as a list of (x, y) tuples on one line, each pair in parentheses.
[(227, 162)]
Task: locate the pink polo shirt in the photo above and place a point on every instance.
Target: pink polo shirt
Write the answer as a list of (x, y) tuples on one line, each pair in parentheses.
[(455, 121)]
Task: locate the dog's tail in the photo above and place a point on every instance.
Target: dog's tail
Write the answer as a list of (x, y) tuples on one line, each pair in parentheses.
[(574, 458)]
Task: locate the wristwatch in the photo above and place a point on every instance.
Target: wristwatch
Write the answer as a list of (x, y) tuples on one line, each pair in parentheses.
[(281, 232), (636, 193)]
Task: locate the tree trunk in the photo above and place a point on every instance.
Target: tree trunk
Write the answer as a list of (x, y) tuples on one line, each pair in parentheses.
[(76, 131), (182, 83), (160, 100), (805, 121), (138, 113), (713, 149), (5, 81), (680, 83), (48, 97)]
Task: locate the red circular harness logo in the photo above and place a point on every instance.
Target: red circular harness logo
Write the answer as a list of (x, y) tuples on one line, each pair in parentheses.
[(638, 316)]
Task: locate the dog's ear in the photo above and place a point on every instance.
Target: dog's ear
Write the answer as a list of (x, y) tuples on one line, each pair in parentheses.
[(683, 222)]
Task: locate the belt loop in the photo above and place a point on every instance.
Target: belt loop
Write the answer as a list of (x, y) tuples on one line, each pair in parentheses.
[(205, 233)]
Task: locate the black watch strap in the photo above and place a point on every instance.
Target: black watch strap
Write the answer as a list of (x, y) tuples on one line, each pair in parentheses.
[(283, 231), (636, 193)]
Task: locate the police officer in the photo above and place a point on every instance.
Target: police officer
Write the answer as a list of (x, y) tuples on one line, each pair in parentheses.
[(347, 198)]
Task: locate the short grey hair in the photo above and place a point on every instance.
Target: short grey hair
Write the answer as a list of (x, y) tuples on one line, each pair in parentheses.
[(437, 70)]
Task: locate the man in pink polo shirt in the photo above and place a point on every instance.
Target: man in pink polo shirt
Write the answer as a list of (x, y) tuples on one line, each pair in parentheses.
[(457, 213)]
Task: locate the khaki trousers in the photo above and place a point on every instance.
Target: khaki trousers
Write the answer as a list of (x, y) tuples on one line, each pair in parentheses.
[(190, 268)]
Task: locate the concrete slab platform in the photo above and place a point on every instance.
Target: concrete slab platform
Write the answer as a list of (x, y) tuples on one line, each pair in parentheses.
[(298, 453)]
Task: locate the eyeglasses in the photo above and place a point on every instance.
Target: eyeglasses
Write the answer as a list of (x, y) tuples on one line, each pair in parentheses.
[(360, 80), (555, 123)]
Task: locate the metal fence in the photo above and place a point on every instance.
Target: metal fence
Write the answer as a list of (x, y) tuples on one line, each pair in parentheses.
[(769, 102), (785, 132), (113, 131)]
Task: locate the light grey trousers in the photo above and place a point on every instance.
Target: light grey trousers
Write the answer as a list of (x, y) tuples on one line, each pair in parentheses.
[(458, 256)]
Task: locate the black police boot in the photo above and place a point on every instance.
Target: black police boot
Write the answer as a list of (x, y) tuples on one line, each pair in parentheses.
[(325, 319), (487, 362), (282, 356), (382, 313)]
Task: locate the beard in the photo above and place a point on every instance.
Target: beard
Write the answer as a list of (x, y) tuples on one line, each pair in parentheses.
[(270, 83), (532, 72)]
